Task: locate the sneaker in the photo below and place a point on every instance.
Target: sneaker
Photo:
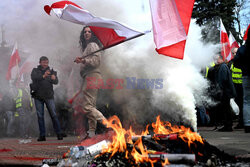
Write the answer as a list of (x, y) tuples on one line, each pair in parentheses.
[(59, 137), (225, 129), (41, 138)]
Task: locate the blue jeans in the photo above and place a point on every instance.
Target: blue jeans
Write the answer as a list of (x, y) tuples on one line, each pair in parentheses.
[(50, 104)]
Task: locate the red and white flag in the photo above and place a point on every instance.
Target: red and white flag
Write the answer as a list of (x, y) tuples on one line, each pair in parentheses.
[(225, 44), (13, 68), (232, 41), (171, 20), (109, 32)]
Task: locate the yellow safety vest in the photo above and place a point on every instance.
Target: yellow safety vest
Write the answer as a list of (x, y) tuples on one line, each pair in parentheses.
[(19, 98), (207, 68), (236, 75)]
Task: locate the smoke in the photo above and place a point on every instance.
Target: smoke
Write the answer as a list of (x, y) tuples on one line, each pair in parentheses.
[(183, 85)]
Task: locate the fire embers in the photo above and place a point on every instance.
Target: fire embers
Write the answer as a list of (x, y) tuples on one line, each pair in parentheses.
[(168, 145)]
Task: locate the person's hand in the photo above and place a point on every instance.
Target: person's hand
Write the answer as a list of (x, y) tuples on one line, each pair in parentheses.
[(47, 73), (53, 77), (80, 60)]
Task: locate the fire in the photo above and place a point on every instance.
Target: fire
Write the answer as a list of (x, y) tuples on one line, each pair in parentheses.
[(139, 152), (184, 133)]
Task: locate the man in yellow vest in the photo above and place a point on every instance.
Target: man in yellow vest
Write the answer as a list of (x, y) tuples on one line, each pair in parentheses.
[(23, 109), (237, 80)]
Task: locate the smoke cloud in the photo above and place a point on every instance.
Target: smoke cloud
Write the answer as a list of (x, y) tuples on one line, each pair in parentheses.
[(183, 85)]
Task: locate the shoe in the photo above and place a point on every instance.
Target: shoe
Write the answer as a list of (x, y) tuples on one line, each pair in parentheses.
[(64, 135), (225, 129), (59, 137), (239, 126), (41, 138)]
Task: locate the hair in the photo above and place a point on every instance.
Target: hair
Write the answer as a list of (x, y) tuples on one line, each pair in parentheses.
[(43, 58), (83, 43)]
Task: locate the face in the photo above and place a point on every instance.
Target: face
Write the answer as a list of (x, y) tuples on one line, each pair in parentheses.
[(44, 63), (87, 33), (234, 51), (219, 60)]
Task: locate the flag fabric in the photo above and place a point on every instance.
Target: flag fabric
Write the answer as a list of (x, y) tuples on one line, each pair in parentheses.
[(245, 35), (225, 44), (171, 20), (15, 59), (233, 44), (109, 32), (232, 41)]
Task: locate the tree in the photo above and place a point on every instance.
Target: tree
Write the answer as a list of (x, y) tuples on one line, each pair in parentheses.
[(207, 14)]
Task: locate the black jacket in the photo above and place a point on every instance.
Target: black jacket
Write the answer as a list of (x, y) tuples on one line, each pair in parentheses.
[(242, 60), (43, 87), (222, 84)]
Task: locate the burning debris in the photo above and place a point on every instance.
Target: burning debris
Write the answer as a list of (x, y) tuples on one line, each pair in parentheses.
[(166, 145)]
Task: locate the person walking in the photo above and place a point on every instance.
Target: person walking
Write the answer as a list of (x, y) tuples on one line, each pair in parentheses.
[(43, 79)]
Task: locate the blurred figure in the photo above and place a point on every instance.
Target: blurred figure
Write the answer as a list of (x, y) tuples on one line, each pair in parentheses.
[(242, 61), (63, 107), (8, 110), (225, 91), (24, 106), (237, 80)]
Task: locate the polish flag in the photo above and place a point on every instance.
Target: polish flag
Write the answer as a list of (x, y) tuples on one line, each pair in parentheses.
[(171, 20), (109, 32), (15, 59), (245, 35), (225, 49)]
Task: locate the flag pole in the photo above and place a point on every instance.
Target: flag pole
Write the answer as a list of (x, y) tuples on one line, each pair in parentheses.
[(117, 43)]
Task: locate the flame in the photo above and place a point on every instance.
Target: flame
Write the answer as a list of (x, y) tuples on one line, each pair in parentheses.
[(184, 133), (139, 151)]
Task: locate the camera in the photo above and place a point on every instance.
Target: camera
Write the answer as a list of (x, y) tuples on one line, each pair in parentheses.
[(52, 72)]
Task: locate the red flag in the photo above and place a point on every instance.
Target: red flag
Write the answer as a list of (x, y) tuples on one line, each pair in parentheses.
[(225, 44), (171, 20), (245, 35), (109, 32), (13, 64)]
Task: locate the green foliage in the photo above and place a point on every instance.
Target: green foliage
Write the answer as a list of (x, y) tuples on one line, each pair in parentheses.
[(207, 14)]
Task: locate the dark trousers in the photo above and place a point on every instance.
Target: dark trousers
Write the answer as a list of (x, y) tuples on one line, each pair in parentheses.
[(225, 110), (50, 104), (239, 101)]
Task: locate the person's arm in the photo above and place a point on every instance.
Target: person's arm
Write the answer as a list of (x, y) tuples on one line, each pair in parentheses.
[(94, 59)]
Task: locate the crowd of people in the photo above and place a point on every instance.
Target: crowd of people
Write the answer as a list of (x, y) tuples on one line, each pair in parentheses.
[(228, 81), (20, 105)]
